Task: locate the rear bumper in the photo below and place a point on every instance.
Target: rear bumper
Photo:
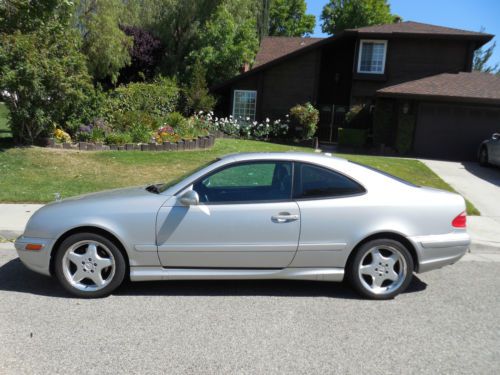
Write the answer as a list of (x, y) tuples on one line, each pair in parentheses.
[(39, 260), (437, 251)]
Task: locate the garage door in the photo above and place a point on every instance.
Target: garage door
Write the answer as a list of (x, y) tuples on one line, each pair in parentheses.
[(453, 131)]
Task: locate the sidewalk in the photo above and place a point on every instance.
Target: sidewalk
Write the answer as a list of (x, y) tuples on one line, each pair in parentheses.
[(481, 186), (13, 218)]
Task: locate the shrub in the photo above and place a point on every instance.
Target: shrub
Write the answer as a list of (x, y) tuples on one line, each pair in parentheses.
[(196, 94), (383, 124), (155, 99), (140, 133), (123, 121), (47, 81), (118, 138), (95, 131), (61, 136), (305, 117), (359, 117), (352, 137)]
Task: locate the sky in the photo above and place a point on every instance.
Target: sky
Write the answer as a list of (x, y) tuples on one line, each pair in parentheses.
[(460, 14)]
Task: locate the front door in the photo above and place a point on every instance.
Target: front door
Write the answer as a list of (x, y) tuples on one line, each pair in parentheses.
[(246, 219)]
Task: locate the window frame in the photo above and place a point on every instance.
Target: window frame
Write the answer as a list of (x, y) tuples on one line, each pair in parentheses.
[(297, 178), (360, 53), (238, 163), (234, 104)]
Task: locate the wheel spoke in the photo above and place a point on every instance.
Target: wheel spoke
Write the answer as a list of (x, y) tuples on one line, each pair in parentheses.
[(96, 277), (77, 259), (377, 281), (91, 251), (103, 263), (367, 270), (392, 275), (79, 275)]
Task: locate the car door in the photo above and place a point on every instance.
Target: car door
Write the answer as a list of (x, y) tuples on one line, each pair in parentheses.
[(329, 203), (246, 218)]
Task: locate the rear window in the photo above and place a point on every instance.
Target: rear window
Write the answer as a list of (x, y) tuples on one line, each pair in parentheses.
[(312, 181)]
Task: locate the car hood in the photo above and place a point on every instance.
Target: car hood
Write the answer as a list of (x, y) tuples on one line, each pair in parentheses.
[(106, 195)]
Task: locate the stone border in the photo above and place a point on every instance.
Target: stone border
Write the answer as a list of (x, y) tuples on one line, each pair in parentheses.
[(199, 143)]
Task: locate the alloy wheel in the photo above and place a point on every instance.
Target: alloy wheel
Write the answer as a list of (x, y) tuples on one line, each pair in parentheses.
[(382, 270), (88, 265)]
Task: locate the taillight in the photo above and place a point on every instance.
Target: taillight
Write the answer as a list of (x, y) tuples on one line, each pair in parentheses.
[(460, 221)]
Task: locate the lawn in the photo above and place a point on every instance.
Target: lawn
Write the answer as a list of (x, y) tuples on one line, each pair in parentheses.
[(34, 174)]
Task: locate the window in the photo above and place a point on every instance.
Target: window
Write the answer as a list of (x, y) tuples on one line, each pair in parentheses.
[(372, 56), (244, 104), (316, 182), (246, 182)]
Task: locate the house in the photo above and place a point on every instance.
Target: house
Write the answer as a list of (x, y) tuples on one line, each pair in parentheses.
[(397, 66)]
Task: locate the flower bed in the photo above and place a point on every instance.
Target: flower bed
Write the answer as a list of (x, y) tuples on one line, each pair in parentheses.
[(198, 143)]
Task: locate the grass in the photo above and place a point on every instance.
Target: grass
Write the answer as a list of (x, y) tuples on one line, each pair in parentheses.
[(34, 174)]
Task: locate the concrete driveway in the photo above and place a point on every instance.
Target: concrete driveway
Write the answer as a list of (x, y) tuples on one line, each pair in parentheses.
[(481, 186)]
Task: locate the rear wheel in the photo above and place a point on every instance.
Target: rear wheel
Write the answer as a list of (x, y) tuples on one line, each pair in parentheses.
[(381, 269), (89, 265), (483, 157)]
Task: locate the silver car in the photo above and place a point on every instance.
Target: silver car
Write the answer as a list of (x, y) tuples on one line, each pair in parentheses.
[(489, 151), (251, 216)]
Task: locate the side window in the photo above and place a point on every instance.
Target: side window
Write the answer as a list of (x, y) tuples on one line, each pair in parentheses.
[(247, 182), (316, 182)]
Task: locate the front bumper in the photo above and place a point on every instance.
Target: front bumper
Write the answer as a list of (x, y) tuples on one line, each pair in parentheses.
[(35, 260), (437, 251)]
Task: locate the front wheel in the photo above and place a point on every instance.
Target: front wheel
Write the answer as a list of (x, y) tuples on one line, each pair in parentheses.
[(381, 269), (89, 265)]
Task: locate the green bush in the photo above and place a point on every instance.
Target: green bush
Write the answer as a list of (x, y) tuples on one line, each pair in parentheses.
[(156, 99), (352, 137), (123, 121), (140, 133), (196, 94), (359, 117), (118, 138), (306, 117), (383, 124), (47, 81)]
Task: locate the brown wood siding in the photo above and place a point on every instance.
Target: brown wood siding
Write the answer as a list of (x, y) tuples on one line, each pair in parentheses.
[(410, 59), (281, 87), (288, 84)]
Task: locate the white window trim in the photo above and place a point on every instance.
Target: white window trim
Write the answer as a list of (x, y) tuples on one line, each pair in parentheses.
[(361, 42), (241, 91)]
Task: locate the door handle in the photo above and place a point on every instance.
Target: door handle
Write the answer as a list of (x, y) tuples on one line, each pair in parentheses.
[(284, 218)]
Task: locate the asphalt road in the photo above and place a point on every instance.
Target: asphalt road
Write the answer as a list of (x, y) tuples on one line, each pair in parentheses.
[(448, 322)]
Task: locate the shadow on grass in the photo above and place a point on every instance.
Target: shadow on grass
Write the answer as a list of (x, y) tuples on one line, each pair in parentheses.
[(15, 277)]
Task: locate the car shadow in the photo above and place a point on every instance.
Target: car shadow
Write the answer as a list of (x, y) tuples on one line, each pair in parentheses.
[(15, 277), (490, 174)]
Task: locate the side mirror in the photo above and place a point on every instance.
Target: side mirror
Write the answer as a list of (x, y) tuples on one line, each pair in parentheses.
[(190, 198)]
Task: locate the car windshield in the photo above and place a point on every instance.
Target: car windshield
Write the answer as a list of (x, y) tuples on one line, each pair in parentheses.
[(160, 188), (385, 174)]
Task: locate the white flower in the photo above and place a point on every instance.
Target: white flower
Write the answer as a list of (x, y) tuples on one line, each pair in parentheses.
[(267, 119), (200, 113)]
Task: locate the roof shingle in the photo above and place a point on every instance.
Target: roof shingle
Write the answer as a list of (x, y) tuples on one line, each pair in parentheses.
[(474, 87), (272, 48), (411, 27)]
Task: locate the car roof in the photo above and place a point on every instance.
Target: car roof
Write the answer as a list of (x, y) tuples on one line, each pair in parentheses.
[(289, 155)]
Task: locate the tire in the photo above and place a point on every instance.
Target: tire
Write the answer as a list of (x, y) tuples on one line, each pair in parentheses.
[(89, 265), (483, 157), (381, 269)]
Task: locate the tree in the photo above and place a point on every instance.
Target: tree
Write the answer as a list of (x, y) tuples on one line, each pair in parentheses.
[(145, 55), (289, 18), (339, 15), (224, 44), (104, 43), (27, 15), (482, 57), (46, 79), (197, 94)]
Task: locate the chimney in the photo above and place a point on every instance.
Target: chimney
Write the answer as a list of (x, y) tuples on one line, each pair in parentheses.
[(245, 67)]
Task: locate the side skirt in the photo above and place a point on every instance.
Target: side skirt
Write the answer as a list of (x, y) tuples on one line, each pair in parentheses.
[(160, 273)]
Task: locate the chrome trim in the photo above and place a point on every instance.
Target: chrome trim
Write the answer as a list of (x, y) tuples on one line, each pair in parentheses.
[(160, 273)]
